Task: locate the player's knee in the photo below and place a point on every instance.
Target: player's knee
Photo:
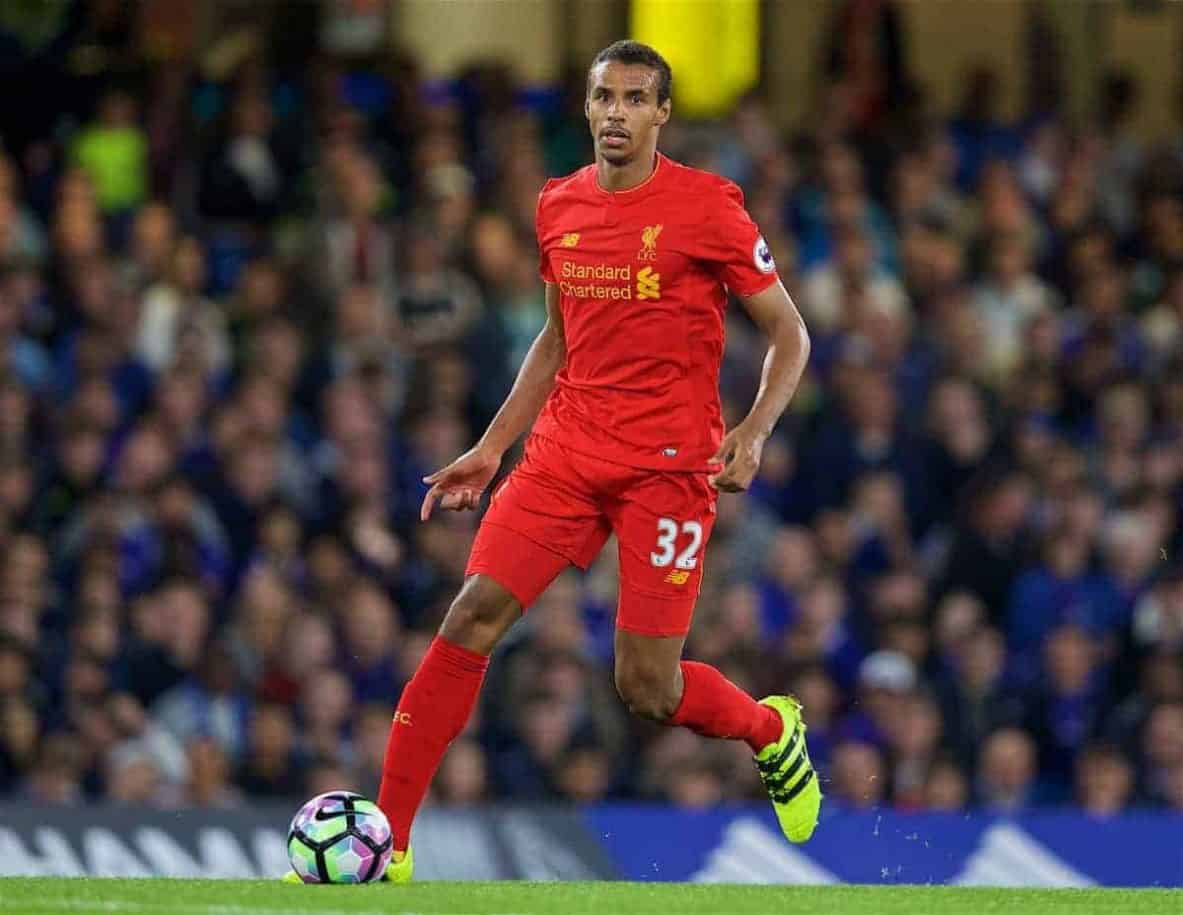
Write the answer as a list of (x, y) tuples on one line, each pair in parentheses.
[(480, 615), (648, 690)]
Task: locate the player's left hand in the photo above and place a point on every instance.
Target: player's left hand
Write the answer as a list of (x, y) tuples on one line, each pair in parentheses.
[(739, 453)]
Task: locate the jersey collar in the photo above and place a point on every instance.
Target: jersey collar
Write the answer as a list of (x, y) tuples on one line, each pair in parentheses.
[(660, 164)]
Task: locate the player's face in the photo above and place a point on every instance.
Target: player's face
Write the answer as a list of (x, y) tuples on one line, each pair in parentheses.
[(622, 110)]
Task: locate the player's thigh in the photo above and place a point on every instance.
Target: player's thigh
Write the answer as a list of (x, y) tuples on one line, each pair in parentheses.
[(540, 520), (662, 524)]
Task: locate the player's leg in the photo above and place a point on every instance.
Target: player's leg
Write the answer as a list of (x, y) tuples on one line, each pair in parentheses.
[(655, 683), (663, 522), (538, 523), (438, 701)]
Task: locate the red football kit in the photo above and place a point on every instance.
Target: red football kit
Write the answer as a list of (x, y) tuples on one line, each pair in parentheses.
[(622, 443), (620, 447)]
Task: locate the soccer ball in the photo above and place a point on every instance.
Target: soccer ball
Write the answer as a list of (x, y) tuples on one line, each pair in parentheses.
[(339, 837)]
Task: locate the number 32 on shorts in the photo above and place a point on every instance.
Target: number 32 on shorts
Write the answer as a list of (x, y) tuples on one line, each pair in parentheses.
[(667, 535)]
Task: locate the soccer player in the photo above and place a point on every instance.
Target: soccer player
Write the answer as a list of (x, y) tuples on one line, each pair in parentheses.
[(621, 388)]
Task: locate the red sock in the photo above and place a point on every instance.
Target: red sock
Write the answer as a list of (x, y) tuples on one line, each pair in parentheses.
[(433, 710), (713, 706)]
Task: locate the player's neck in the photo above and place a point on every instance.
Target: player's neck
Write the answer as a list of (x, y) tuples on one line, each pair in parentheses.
[(613, 177)]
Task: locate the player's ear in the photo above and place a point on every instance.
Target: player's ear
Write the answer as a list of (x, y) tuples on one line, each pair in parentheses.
[(587, 108), (663, 113)]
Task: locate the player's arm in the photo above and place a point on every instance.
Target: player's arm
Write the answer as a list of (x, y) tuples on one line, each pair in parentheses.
[(459, 485), (774, 313)]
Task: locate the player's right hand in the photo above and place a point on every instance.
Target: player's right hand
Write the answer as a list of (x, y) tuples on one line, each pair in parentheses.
[(458, 486)]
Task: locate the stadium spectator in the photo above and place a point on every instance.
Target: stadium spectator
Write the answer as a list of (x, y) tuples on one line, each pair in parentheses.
[(209, 777), (325, 775), (913, 744), (1066, 708), (170, 627), (1007, 768), (585, 775), (436, 304), (369, 623), (177, 322), (463, 777), (986, 553), (885, 678), (269, 767), (946, 788), (209, 706), (113, 151), (243, 178), (1104, 780), (354, 242), (55, 777), (21, 730), (857, 776), (1162, 749), (974, 695)]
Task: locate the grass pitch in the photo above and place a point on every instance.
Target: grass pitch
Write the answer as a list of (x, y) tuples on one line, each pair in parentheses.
[(41, 896)]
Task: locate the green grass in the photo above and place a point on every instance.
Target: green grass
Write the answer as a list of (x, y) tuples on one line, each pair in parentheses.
[(40, 896)]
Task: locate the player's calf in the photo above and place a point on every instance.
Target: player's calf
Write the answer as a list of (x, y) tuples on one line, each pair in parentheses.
[(648, 676), (649, 691)]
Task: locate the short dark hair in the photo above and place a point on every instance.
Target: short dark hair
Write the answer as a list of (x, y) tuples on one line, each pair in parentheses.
[(634, 52)]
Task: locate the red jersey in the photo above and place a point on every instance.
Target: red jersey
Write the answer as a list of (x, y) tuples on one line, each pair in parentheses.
[(643, 276)]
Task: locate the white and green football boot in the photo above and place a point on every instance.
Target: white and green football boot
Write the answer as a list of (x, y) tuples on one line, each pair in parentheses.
[(401, 867), (788, 775)]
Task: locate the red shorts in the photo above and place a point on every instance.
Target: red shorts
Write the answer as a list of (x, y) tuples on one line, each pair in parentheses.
[(558, 507)]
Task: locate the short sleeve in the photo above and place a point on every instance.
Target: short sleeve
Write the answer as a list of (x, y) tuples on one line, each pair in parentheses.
[(734, 247), (544, 268)]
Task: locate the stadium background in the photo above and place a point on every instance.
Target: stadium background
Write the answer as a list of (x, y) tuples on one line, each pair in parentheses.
[(263, 265)]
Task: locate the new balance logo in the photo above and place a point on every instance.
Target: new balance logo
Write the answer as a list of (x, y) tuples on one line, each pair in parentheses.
[(648, 284), (677, 578), (570, 240)]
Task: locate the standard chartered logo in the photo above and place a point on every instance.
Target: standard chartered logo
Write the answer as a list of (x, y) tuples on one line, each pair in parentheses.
[(608, 281), (648, 284), (574, 271)]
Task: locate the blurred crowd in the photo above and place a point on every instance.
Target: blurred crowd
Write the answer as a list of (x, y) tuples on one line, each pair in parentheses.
[(245, 306)]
